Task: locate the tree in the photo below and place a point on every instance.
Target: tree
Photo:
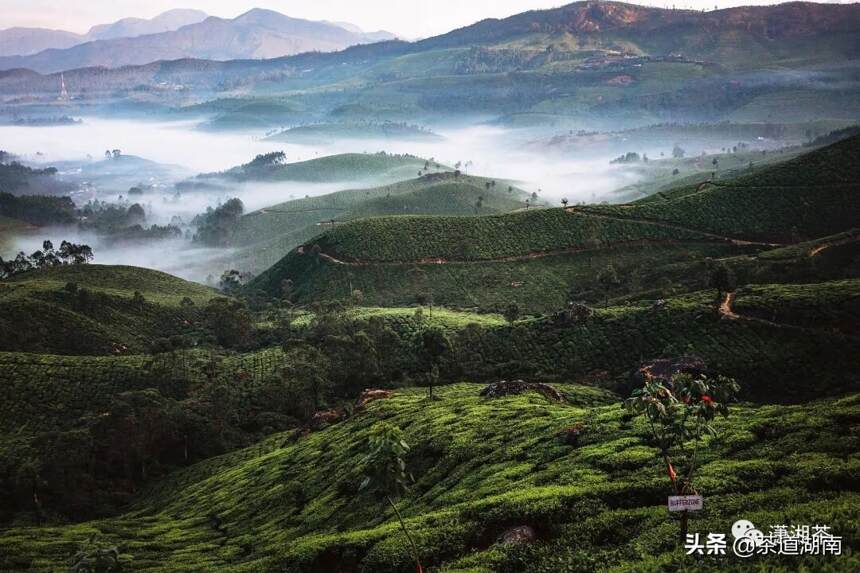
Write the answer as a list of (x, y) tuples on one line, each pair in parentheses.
[(678, 152), (722, 278), (216, 226), (136, 214), (564, 202), (434, 345), (608, 279), (385, 472), (287, 290), (230, 322), (232, 280), (306, 374), (512, 313), (678, 411)]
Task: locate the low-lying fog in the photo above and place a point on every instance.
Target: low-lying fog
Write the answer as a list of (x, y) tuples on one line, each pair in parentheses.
[(485, 150)]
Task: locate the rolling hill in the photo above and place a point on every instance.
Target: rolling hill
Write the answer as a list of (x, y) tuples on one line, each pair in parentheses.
[(342, 167), (91, 309), (539, 258), (327, 132), (268, 233), (806, 197)]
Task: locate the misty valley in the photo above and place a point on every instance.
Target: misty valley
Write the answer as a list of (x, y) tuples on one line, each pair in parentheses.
[(575, 290)]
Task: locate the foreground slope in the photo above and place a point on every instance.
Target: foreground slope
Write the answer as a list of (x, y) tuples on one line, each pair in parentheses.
[(482, 466)]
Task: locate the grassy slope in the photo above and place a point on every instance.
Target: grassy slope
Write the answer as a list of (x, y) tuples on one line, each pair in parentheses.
[(325, 132), (804, 198), (266, 234), (536, 285), (341, 167), (811, 196), (60, 321), (482, 466)]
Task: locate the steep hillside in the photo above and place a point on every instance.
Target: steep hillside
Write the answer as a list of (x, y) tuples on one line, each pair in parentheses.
[(92, 309), (481, 467), (804, 198), (542, 258), (268, 233)]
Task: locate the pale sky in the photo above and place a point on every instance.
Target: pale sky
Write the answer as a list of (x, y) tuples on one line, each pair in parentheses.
[(407, 18)]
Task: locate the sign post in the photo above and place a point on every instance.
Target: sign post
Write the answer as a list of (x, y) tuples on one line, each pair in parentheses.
[(686, 503)]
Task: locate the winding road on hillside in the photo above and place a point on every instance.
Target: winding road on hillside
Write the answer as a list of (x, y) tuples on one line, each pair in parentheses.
[(563, 251)]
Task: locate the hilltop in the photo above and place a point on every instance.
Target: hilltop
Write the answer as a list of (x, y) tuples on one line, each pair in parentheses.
[(92, 309), (342, 167), (541, 258), (266, 234), (772, 204), (327, 132)]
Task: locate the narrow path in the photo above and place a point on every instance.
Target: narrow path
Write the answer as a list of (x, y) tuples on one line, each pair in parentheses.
[(836, 243), (510, 258), (566, 250), (726, 307), (668, 225), (727, 312)]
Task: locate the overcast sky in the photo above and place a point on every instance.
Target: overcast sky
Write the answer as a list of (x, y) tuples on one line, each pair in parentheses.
[(408, 18)]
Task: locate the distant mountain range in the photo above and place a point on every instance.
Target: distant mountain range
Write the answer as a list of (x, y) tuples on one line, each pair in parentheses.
[(28, 41), (587, 59), (176, 34)]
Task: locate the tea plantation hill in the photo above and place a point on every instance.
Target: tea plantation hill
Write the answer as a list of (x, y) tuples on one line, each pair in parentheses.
[(92, 309), (263, 236), (273, 167), (540, 259), (482, 466), (328, 132), (809, 196), (784, 343)]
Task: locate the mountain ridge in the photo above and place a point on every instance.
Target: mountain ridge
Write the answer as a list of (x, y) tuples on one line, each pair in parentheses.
[(254, 34), (721, 37)]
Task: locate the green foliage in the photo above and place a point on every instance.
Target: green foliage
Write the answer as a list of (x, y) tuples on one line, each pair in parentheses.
[(230, 321), (37, 209), (216, 226), (92, 558), (480, 466), (681, 410), (41, 314), (385, 465)]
